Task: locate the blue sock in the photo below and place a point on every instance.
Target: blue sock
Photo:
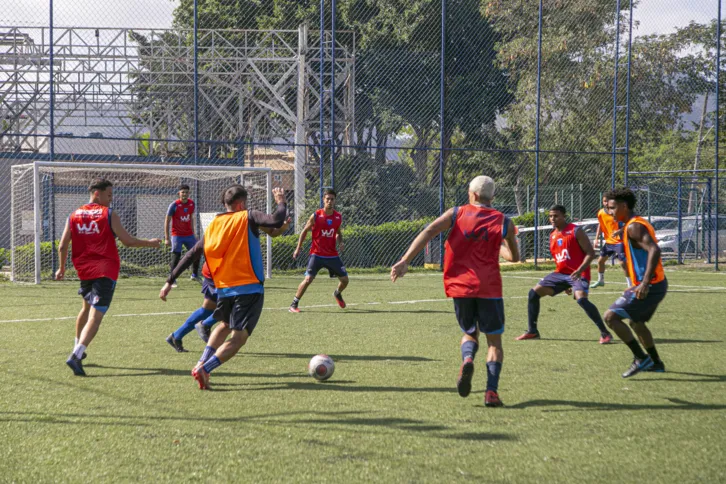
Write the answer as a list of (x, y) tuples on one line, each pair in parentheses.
[(494, 368), (198, 315), (210, 321), (206, 354), (594, 314), (532, 311), (212, 364), (468, 349)]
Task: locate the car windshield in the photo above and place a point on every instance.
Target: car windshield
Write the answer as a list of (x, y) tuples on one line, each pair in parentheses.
[(673, 225)]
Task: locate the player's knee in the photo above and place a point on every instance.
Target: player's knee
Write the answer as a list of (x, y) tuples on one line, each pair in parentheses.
[(308, 280), (533, 296), (343, 279), (610, 318)]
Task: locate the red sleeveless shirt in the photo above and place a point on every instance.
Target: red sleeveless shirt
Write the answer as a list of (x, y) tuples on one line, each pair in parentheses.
[(93, 243)]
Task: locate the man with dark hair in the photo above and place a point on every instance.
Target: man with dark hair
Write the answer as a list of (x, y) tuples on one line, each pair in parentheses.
[(638, 303), (573, 254), (612, 246), (180, 215), (231, 247), (325, 225), (91, 232)]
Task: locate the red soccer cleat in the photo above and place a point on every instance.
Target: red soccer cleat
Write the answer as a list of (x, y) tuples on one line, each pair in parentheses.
[(294, 309), (202, 377), (339, 299), (527, 335), (491, 399), (606, 339)]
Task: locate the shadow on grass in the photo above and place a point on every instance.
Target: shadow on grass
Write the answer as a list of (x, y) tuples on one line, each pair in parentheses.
[(660, 341), (360, 310), (307, 356), (329, 386), (699, 377), (138, 371), (676, 404)]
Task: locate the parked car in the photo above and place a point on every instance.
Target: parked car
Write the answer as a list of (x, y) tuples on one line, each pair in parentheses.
[(660, 223), (694, 239)]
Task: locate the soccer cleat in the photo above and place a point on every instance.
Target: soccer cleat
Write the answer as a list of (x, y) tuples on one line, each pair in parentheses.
[(75, 364), (201, 376), (339, 298), (203, 331), (527, 335), (657, 367), (83, 357), (605, 339), (597, 284), (176, 344), (638, 365), (195, 277), (294, 309), (491, 399), (463, 383), (174, 284)]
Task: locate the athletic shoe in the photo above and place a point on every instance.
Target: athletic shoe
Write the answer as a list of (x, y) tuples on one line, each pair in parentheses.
[(196, 278), (176, 344), (639, 365), (339, 298), (491, 399), (203, 331), (657, 367), (527, 335), (83, 357), (294, 309), (75, 364), (597, 284), (202, 377), (605, 339), (174, 284), (463, 383)]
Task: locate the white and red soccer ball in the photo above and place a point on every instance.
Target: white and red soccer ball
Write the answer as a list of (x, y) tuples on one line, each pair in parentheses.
[(321, 367)]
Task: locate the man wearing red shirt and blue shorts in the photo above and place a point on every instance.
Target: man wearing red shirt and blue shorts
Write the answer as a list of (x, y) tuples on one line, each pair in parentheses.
[(479, 236), (180, 216)]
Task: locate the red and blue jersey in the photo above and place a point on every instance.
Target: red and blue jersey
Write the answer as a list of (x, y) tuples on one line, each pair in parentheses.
[(471, 260), (325, 232), (567, 252), (181, 217), (93, 243)]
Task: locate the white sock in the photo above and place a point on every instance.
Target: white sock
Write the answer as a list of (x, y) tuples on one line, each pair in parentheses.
[(627, 280), (600, 277), (75, 342), (79, 350)]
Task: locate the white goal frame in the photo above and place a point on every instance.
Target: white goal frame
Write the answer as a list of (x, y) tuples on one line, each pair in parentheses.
[(37, 216)]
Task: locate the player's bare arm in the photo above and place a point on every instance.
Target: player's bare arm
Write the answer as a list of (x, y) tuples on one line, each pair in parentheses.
[(278, 231), (510, 249), (167, 223), (339, 239), (435, 228), (129, 240), (640, 238), (308, 227), (587, 248), (65, 243), (189, 258)]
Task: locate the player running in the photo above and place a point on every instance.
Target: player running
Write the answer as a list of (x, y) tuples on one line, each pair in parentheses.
[(613, 246), (479, 235), (180, 216), (231, 247), (91, 231), (325, 224), (638, 303), (573, 254)]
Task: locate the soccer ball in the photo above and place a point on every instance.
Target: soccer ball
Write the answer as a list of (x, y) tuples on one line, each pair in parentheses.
[(321, 367)]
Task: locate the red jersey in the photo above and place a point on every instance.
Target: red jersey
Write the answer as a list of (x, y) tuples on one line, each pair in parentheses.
[(93, 243), (206, 272), (181, 217), (325, 231), (471, 260), (567, 251)]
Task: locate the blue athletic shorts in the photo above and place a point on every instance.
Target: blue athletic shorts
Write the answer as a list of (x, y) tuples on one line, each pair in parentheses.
[(98, 292), (485, 314), (629, 307), (613, 250), (560, 282), (186, 241), (333, 264), (208, 289), (240, 312)]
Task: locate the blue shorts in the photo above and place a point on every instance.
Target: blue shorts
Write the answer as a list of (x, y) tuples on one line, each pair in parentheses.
[(208, 289), (561, 282), (640, 310), (613, 250), (98, 292), (333, 264), (187, 241), (474, 313)]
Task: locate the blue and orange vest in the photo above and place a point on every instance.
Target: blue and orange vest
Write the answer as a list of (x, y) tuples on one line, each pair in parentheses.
[(637, 259)]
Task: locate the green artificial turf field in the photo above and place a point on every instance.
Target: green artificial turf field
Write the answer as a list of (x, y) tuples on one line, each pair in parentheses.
[(389, 413)]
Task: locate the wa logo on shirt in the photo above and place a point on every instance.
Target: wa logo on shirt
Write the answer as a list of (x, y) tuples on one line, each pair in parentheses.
[(185, 218), (327, 233), (88, 229), (562, 256)]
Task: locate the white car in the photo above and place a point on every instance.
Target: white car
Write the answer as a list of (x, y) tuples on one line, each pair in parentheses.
[(694, 239), (659, 223)]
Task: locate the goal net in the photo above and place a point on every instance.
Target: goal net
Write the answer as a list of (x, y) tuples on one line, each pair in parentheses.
[(44, 194)]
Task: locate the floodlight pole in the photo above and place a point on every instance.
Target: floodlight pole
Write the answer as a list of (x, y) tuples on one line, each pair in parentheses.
[(322, 97), (332, 95), (52, 85)]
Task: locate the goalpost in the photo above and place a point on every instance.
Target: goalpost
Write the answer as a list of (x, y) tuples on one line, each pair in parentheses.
[(43, 195)]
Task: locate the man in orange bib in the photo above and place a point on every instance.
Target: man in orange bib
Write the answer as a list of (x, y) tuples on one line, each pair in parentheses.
[(613, 245), (638, 303)]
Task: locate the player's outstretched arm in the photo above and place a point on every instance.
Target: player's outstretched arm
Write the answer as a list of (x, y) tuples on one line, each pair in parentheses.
[(308, 227), (586, 247), (435, 228), (510, 248), (129, 240), (192, 255), (640, 235), (65, 242), (279, 231)]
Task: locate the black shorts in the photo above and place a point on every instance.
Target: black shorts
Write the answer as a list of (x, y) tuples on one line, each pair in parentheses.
[(333, 264), (208, 289), (240, 312), (485, 314), (640, 310), (98, 292)]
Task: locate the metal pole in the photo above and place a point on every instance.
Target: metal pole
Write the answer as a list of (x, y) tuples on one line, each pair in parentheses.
[(268, 239), (322, 97), (196, 83), (615, 94), (37, 222), (52, 89), (716, 127), (442, 100), (332, 96), (627, 98), (53, 255), (536, 136), (709, 218), (680, 220)]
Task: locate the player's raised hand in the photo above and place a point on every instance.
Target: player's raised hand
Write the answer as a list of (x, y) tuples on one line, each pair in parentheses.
[(60, 274), (165, 291), (398, 270), (279, 195)]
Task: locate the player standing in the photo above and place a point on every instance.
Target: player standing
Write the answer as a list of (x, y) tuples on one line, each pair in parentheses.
[(573, 254), (638, 303), (479, 234), (91, 231), (231, 247), (613, 246), (180, 216), (325, 224)]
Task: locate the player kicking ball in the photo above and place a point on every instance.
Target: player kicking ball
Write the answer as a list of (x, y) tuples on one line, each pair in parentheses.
[(91, 232), (479, 235), (325, 225)]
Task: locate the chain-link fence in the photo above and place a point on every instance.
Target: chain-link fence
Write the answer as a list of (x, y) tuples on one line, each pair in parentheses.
[(396, 105)]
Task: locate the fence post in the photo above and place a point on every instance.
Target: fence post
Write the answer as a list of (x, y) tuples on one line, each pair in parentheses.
[(332, 95), (196, 83), (442, 100), (716, 122), (615, 95), (52, 85), (627, 98), (709, 218), (536, 135), (322, 97), (680, 220)]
